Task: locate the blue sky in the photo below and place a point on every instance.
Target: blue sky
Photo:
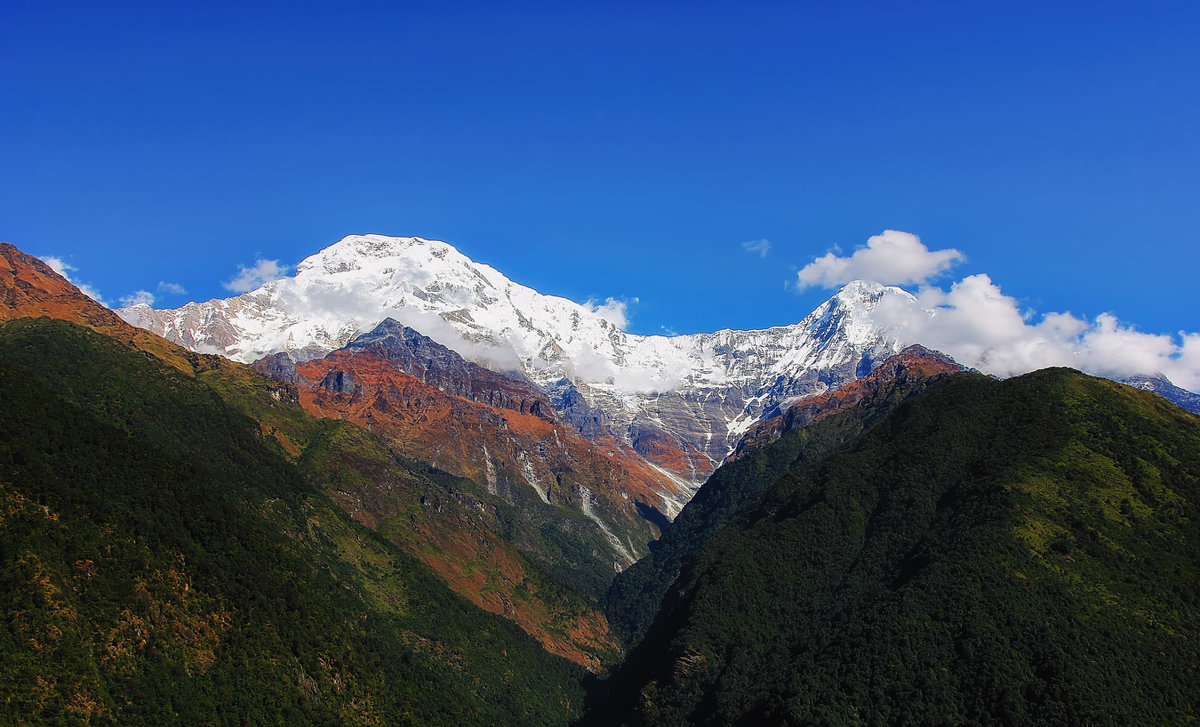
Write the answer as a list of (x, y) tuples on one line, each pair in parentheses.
[(621, 150)]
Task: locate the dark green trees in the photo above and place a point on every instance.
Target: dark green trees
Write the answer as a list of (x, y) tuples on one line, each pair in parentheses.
[(993, 552), (162, 563)]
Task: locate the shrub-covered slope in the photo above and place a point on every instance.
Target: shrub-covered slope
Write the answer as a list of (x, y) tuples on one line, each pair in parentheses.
[(459, 530), (994, 552), (162, 562)]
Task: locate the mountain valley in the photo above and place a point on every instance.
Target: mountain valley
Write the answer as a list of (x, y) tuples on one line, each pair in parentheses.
[(399, 488)]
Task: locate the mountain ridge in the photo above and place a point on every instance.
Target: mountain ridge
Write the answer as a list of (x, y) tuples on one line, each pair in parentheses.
[(424, 397), (683, 401), (912, 361), (1161, 385)]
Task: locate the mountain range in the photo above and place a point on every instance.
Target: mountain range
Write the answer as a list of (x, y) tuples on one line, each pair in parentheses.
[(470, 538), (437, 496), (680, 402), (171, 552)]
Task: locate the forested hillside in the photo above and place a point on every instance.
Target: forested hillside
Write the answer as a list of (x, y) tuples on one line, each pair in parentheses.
[(811, 430), (163, 563), (1023, 551)]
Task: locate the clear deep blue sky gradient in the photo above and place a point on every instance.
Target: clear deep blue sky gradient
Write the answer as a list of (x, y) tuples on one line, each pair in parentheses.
[(615, 149)]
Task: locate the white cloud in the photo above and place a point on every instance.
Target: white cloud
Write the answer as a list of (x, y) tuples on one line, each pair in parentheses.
[(58, 265), (172, 288), (612, 310), (357, 304), (250, 278), (584, 362), (979, 326), (65, 269), (502, 357), (762, 247), (90, 292), (141, 297), (893, 258)]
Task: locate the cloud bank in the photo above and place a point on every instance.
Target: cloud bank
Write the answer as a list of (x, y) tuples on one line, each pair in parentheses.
[(250, 278), (981, 327), (172, 288), (893, 258)]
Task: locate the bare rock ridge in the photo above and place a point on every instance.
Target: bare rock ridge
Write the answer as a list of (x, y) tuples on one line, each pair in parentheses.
[(436, 365), (30, 288)]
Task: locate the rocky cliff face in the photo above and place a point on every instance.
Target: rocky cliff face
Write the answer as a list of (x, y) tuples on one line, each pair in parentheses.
[(681, 402), (747, 375), (501, 432), (438, 366)]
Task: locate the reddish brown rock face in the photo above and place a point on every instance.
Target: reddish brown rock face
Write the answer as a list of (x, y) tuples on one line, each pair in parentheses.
[(520, 443), (29, 288)]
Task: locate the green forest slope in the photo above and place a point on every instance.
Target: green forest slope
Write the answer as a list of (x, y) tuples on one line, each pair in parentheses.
[(636, 595), (994, 552), (162, 562)]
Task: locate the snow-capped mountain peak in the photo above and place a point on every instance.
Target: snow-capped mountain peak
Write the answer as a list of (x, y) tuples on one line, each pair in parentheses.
[(701, 390)]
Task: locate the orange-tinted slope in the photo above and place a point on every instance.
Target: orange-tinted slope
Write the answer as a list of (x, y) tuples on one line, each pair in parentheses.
[(674, 455), (416, 354), (477, 564), (30, 288)]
